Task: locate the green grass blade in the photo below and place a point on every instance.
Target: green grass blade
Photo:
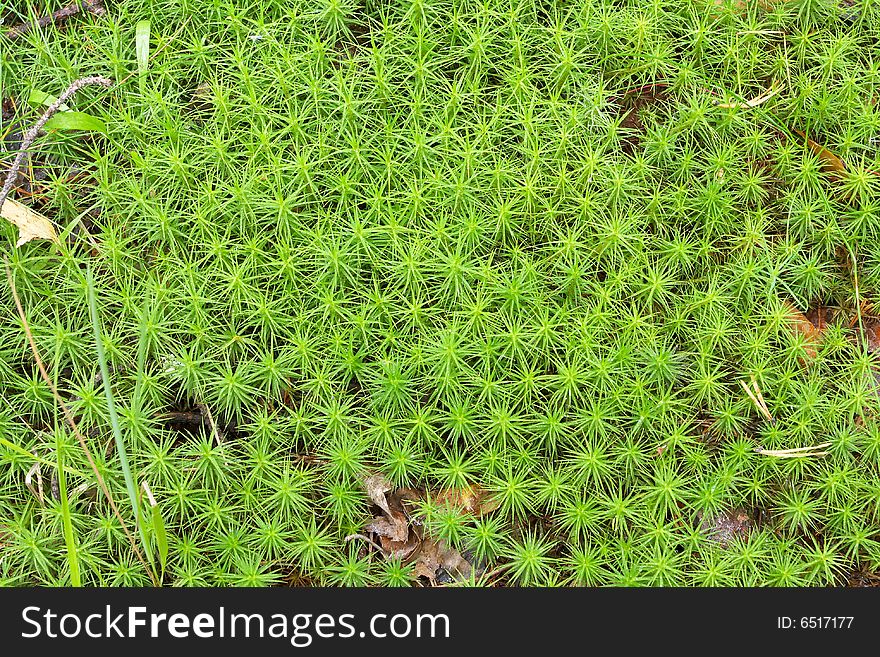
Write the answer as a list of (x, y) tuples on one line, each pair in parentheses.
[(147, 533), (111, 408), (21, 450), (157, 530), (142, 50), (161, 538), (69, 538), (67, 523)]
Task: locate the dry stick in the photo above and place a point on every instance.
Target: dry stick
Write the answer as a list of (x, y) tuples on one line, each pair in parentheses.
[(218, 435), (31, 135), (761, 407), (68, 416), (182, 417), (206, 413), (761, 399), (794, 452), (369, 542), (855, 266), (754, 102), (92, 6)]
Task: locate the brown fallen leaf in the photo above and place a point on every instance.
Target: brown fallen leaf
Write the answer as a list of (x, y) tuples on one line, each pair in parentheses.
[(471, 499), (399, 549), (831, 164), (31, 224), (397, 536), (819, 316), (805, 327), (394, 526), (872, 333), (377, 485), (436, 555)]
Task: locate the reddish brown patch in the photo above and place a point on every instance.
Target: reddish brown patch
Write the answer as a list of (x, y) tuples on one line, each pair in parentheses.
[(819, 316), (800, 324), (831, 164), (632, 101), (7, 108), (872, 332)]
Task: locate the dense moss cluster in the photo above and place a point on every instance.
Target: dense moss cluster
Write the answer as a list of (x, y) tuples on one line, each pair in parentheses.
[(512, 243)]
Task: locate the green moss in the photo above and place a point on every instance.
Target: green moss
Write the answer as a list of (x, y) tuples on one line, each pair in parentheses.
[(509, 243)]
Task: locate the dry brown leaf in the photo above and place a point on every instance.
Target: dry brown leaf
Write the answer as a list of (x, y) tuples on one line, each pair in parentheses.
[(872, 333), (377, 485), (399, 549), (426, 565), (391, 528), (819, 316), (472, 499), (399, 537), (394, 526), (31, 225), (830, 162), (435, 555), (805, 327)]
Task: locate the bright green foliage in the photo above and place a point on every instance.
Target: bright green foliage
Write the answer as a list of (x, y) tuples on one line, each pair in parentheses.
[(426, 238)]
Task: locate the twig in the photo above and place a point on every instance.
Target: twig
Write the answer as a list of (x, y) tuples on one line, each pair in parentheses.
[(206, 413), (757, 398), (77, 6), (754, 102), (855, 269), (31, 135), (68, 416), (215, 431), (795, 452), (352, 537), (758, 393)]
